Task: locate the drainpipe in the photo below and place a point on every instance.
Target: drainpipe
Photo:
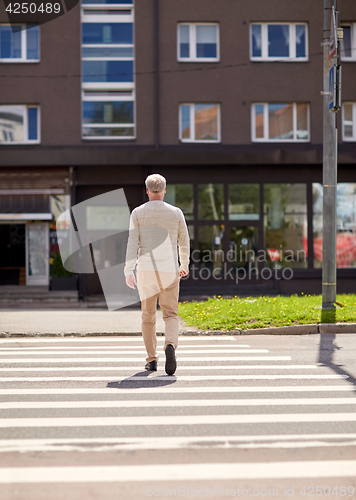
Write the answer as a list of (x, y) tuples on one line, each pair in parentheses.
[(156, 54)]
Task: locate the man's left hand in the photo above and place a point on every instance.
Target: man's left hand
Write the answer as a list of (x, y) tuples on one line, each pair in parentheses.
[(183, 273)]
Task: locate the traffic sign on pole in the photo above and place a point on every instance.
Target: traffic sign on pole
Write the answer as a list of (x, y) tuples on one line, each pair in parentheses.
[(333, 34), (335, 88)]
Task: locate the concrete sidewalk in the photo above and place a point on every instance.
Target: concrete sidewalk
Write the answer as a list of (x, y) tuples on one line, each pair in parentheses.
[(15, 322), (77, 322)]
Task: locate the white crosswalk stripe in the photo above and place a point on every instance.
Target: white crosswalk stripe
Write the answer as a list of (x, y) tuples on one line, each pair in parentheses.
[(204, 406)]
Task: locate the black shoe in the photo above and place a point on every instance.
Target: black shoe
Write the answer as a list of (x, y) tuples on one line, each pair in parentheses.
[(151, 366), (171, 362)]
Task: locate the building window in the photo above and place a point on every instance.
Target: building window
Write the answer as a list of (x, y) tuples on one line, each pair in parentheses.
[(349, 121), (347, 45), (108, 86), (198, 42), (279, 42), (106, 116), (199, 122), (19, 43), (280, 122), (19, 124)]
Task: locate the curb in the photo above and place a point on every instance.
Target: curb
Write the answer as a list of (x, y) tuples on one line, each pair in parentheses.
[(312, 329)]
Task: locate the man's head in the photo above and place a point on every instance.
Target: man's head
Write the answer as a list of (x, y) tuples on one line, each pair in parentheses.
[(156, 187)]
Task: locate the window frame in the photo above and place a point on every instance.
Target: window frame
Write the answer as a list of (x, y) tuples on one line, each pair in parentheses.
[(353, 138), (192, 121), (127, 88), (351, 25), (292, 44), (266, 123), (193, 44), (116, 18), (23, 59), (26, 141), (118, 98)]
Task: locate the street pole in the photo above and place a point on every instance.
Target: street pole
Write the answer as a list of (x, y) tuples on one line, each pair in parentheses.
[(328, 313)]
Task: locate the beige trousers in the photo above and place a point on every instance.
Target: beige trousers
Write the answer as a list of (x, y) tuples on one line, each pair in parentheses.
[(153, 285)]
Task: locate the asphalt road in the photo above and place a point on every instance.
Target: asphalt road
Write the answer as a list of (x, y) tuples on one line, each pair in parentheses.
[(245, 416)]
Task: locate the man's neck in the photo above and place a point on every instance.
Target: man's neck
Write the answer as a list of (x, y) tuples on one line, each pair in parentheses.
[(155, 197)]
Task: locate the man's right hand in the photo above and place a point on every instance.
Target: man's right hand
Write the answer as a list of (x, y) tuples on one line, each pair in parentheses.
[(131, 281)]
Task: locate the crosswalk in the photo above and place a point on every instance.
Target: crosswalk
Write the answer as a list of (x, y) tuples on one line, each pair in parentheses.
[(84, 412)]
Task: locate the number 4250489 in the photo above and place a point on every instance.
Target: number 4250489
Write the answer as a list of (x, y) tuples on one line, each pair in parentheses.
[(342, 491), (32, 8)]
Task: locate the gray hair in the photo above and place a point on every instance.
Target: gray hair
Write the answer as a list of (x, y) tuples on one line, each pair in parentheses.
[(155, 183)]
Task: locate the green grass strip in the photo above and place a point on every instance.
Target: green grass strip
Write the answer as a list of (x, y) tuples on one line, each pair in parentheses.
[(260, 312)]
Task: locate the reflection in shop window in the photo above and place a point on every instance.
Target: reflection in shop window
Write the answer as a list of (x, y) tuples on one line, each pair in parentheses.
[(210, 201), (244, 202), (211, 251), (285, 225), (191, 239), (346, 225), (182, 196)]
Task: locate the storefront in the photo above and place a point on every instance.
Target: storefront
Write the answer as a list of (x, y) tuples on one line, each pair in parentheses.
[(30, 202), (252, 228)]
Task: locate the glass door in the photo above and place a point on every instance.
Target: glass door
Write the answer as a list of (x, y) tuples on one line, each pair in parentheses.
[(37, 254), (243, 251)]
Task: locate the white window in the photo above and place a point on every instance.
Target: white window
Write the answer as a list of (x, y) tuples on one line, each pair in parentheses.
[(108, 61), (19, 124), (198, 42), (349, 121), (347, 45), (108, 114), (277, 122), (199, 122), (279, 42), (19, 43)]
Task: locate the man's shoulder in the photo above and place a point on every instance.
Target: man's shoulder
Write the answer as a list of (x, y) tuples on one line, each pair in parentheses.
[(148, 207), (139, 209)]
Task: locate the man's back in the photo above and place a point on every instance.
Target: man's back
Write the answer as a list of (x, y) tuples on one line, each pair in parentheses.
[(156, 230)]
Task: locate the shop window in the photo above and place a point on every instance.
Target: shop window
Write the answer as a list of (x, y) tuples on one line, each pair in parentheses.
[(19, 43), (199, 122), (210, 201), (346, 225), (279, 42), (244, 202), (210, 261), (198, 42), (285, 225), (19, 124), (182, 196), (347, 45), (280, 122), (349, 121)]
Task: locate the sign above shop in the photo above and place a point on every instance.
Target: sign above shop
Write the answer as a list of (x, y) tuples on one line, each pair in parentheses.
[(26, 217)]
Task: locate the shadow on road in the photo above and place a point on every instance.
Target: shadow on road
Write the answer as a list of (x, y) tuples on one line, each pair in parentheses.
[(131, 383), (326, 354)]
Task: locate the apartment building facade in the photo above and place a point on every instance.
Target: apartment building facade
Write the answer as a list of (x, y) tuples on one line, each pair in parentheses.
[(222, 98)]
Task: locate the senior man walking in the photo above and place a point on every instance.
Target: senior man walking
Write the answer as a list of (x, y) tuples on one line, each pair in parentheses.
[(158, 231)]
